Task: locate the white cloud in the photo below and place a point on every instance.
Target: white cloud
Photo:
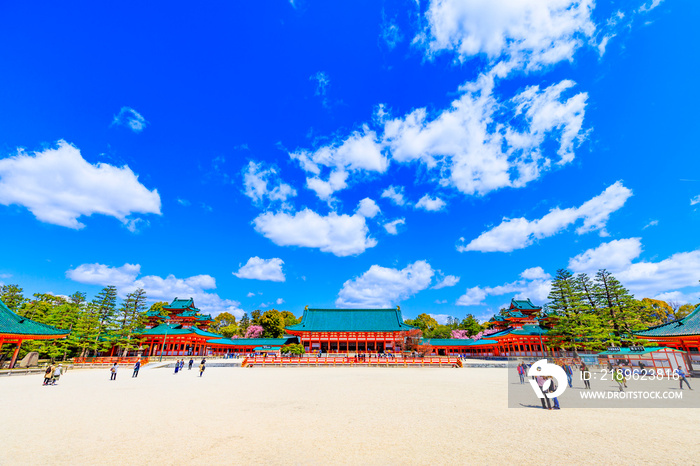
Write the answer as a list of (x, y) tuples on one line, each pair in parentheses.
[(390, 32), (653, 223), (157, 288), (648, 7), (99, 274), (279, 301), (391, 227), (535, 284), (614, 256), (329, 167), (322, 83), (262, 269), (385, 287), (474, 296), (677, 273), (448, 281), (430, 204), (368, 208), (440, 318), (261, 183), (530, 33), (472, 152), (250, 294), (58, 186), (395, 195), (518, 233), (129, 117), (342, 235), (695, 200)]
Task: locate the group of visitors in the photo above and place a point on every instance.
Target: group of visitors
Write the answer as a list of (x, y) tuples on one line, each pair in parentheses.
[(52, 374)]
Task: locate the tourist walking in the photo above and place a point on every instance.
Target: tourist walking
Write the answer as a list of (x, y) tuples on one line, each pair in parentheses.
[(521, 373), (569, 374), (177, 367), (57, 374), (681, 378), (201, 368), (48, 375), (113, 370), (552, 389), (540, 383), (137, 366), (189, 365), (586, 376), (182, 363), (619, 378)]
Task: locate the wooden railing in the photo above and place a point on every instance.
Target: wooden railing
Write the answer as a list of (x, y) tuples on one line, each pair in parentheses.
[(436, 361), (110, 360)]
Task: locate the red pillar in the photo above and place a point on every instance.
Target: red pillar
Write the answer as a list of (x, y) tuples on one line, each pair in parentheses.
[(14, 355)]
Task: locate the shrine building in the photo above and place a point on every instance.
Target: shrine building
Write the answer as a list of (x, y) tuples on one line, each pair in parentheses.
[(15, 329)]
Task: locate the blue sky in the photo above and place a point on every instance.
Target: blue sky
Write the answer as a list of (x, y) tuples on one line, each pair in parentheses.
[(444, 156)]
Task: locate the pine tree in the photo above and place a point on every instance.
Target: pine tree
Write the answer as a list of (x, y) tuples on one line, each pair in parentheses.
[(565, 295), (104, 309), (131, 318), (12, 296), (616, 305), (243, 324)]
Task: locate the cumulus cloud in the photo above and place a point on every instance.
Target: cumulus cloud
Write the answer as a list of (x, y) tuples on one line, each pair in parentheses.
[(675, 274), (157, 288), (329, 167), (428, 203), (58, 186), (250, 294), (262, 183), (695, 200), (518, 233), (368, 208), (534, 283), (385, 287), (342, 235), (449, 280), (531, 34), (129, 117), (395, 195), (614, 256), (104, 275), (480, 144), (391, 227), (262, 269)]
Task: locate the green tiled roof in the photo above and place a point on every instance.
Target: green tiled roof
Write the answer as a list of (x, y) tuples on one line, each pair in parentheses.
[(12, 324), (170, 329), (530, 329), (204, 333), (516, 314), (523, 304), (205, 317), (180, 304), (689, 325), (255, 342), (154, 314), (189, 314), (351, 320), (456, 342), (647, 350)]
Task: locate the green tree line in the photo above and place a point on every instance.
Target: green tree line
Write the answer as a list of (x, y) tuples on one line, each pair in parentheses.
[(598, 312)]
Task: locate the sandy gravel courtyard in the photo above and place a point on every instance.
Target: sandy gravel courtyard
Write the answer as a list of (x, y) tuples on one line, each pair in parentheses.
[(321, 416)]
